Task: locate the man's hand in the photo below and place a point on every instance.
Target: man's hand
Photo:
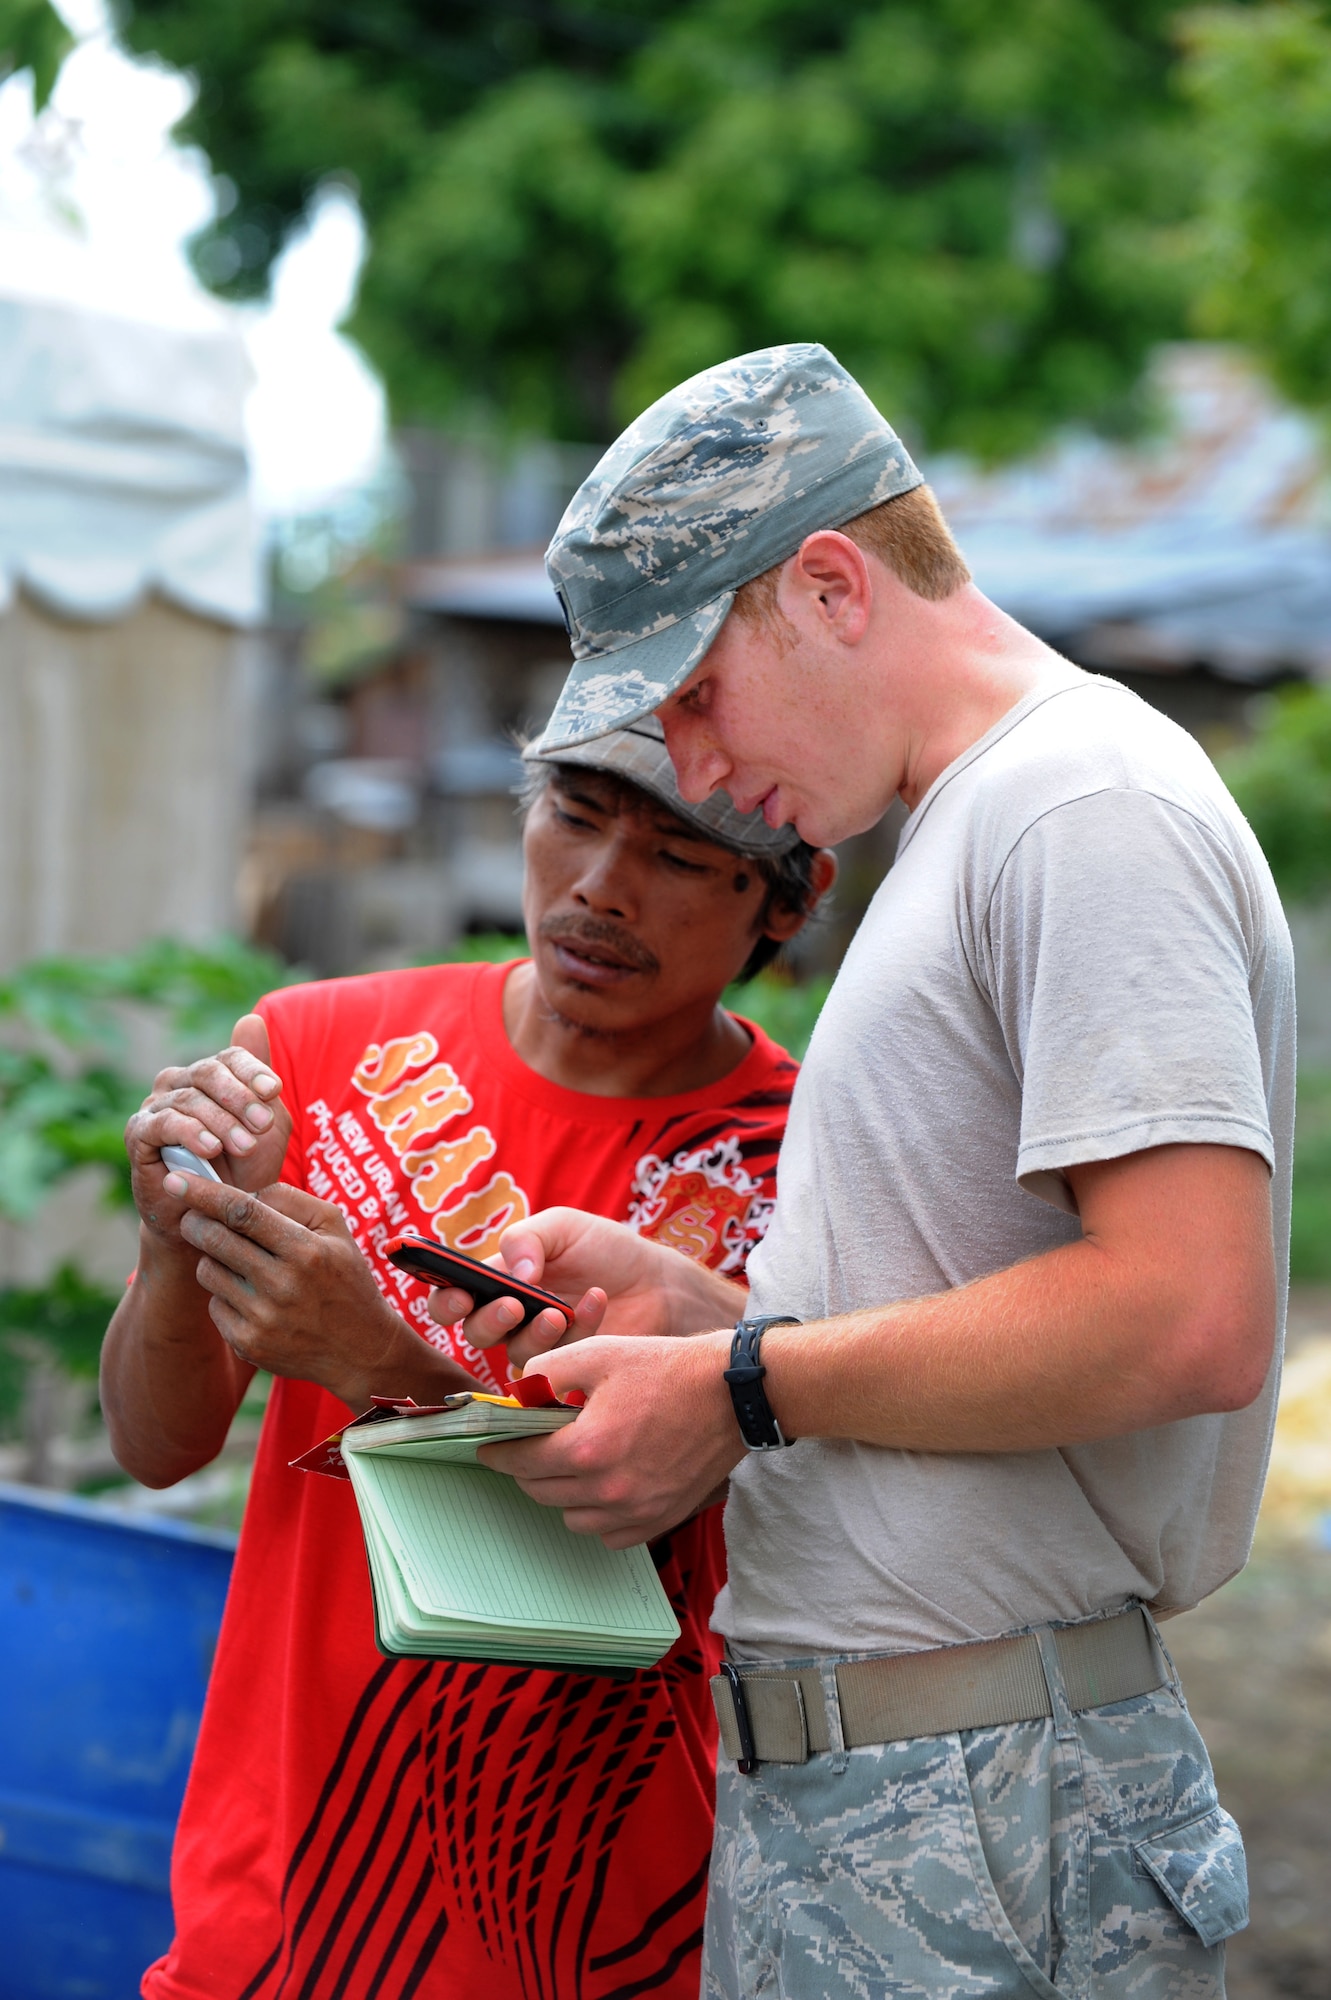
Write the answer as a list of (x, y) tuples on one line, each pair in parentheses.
[(226, 1108), (290, 1292), (619, 1283), (657, 1437), (1164, 1310)]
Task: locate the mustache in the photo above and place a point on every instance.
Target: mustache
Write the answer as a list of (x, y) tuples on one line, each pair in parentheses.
[(589, 932)]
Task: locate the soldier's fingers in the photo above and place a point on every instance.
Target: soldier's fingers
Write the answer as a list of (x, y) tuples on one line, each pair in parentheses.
[(148, 1131), (250, 1038), (550, 1329), (493, 1324), (447, 1305)]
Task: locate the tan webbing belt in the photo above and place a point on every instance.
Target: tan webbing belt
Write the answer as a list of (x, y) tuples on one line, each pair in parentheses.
[(932, 1693)]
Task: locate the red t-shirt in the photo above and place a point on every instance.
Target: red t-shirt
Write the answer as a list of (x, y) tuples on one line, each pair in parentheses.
[(380, 1829)]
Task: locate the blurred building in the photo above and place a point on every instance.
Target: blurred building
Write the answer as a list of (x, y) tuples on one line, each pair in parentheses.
[(128, 580), (1194, 565), (387, 822)]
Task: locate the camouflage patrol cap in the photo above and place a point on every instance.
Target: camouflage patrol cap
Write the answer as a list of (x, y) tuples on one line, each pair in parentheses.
[(638, 753), (715, 483)]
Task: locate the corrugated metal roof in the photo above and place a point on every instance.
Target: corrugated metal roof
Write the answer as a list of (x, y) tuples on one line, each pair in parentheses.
[(1207, 544)]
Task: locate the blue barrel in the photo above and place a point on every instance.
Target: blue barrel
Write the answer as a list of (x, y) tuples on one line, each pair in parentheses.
[(107, 1631)]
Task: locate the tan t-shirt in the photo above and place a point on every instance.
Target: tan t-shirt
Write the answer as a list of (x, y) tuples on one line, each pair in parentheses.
[(1079, 953)]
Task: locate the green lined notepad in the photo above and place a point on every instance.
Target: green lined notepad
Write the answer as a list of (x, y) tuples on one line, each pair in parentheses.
[(465, 1566)]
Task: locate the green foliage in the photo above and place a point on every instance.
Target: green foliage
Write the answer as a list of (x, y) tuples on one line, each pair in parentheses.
[(68, 1316), (1310, 1223), (1259, 81), (33, 37), (488, 948), (975, 204), (52, 1122), (787, 1010), (63, 1320), (64, 1091), (201, 990), (1282, 781)]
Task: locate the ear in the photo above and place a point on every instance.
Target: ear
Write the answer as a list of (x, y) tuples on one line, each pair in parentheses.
[(827, 583), (784, 924)]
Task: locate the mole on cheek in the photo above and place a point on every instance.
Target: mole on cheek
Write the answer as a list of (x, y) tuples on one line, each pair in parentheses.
[(741, 883)]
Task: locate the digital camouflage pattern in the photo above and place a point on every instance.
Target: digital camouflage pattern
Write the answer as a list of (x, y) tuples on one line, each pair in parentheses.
[(715, 483), (1081, 1858)]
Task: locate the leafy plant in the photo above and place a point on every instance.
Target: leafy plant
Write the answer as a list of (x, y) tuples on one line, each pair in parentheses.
[(53, 1122), (65, 1092), (66, 1089), (785, 1008), (200, 989), (63, 1319), (1282, 781), (1310, 1224)]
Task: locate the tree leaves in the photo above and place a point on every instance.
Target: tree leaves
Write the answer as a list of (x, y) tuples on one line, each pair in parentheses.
[(1259, 81), (33, 37), (975, 204), (62, 1321), (52, 1123), (66, 1090)]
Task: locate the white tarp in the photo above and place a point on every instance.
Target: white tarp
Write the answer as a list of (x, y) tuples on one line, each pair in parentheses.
[(122, 460)]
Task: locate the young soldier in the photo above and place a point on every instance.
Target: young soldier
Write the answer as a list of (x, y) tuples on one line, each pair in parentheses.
[(1021, 1299), (383, 1829)]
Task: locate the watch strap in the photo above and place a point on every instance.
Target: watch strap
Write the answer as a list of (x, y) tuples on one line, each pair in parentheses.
[(744, 1378)]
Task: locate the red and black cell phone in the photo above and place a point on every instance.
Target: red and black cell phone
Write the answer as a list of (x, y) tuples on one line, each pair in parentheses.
[(434, 1265)]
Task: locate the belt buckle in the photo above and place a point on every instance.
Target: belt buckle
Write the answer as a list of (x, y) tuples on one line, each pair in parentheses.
[(747, 1761)]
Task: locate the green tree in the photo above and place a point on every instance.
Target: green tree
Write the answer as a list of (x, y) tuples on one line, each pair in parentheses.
[(1282, 781), (33, 37), (1259, 81), (976, 203)]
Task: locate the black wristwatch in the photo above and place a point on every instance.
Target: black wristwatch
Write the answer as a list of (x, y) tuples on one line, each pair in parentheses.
[(744, 1378)]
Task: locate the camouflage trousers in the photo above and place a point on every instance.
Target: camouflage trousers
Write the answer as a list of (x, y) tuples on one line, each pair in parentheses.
[(1083, 1857)]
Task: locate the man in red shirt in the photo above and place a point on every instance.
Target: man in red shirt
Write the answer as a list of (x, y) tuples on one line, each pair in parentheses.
[(381, 1829)]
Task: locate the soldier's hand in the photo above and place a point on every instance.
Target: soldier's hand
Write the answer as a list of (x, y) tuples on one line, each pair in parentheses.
[(617, 1282), (653, 1445)]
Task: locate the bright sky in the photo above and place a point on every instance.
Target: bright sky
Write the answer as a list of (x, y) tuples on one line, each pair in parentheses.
[(96, 203)]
